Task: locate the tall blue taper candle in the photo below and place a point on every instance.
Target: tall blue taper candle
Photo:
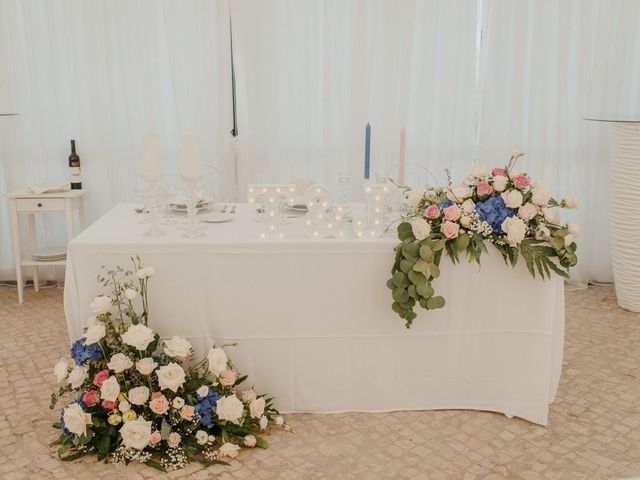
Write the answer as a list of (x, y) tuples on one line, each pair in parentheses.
[(367, 151)]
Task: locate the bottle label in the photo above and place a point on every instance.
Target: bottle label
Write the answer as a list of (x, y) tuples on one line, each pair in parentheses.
[(75, 174)]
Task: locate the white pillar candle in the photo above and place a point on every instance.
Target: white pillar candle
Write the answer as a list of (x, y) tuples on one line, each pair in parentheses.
[(189, 161), (151, 165)]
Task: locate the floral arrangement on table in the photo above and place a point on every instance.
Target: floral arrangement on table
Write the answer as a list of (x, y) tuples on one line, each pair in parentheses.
[(503, 207), (137, 398)]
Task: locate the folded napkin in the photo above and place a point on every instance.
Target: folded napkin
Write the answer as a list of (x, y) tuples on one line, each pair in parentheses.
[(48, 187)]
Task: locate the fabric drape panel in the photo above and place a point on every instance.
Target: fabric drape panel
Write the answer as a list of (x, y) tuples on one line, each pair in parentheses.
[(312, 74), (549, 64), (105, 73)]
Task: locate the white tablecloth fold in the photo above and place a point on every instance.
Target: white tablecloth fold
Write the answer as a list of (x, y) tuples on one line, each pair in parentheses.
[(314, 323)]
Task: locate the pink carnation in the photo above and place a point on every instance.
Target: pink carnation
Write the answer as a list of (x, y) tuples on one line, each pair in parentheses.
[(521, 181), (100, 377), (499, 171), (431, 212), (91, 398), (483, 188), (159, 404), (109, 405), (450, 229)]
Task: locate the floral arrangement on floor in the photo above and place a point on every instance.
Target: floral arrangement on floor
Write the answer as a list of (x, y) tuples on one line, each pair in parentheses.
[(502, 207), (137, 398)]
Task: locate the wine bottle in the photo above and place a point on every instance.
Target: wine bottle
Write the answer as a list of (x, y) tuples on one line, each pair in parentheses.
[(74, 166)]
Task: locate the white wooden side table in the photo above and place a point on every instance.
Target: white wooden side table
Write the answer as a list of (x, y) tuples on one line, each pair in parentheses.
[(24, 202)]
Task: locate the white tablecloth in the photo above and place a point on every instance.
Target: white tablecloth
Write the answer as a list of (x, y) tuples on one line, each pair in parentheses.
[(314, 323)]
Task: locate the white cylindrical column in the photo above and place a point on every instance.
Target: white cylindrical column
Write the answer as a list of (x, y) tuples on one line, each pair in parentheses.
[(625, 213)]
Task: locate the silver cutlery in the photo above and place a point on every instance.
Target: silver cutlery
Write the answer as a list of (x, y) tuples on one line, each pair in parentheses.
[(223, 209)]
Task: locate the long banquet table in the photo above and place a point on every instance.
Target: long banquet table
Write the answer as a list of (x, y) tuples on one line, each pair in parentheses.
[(314, 323)]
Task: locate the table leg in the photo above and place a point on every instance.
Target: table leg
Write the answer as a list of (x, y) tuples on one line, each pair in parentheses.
[(17, 256), (83, 214), (34, 244), (68, 210)]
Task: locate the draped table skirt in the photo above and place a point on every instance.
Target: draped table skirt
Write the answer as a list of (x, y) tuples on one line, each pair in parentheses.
[(313, 318)]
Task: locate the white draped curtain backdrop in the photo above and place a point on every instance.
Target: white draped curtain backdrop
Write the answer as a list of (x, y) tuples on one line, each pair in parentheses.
[(468, 79)]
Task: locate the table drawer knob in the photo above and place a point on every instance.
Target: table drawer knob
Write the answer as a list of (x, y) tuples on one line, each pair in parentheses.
[(39, 204)]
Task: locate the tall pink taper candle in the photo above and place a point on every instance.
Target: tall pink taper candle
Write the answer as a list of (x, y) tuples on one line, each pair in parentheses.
[(403, 154)]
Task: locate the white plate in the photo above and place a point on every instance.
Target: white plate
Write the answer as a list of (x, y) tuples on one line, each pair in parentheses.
[(216, 217)]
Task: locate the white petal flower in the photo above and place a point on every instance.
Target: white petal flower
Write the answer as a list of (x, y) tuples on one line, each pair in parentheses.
[(138, 395), (146, 366), (512, 198), (61, 370), (202, 437), (570, 201), (178, 403), (100, 305), (264, 421), (94, 334), (124, 406), (119, 363), (136, 433), (203, 391), (171, 376), (177, 347), (217, 360), (130, 293), (230, 450), (77, 376), (76, 419), (420, 228), (138, 336), (110, 389), (230, 409)]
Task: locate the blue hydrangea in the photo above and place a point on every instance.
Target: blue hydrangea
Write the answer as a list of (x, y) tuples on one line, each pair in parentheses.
[(444, 204), (206, 406), (82, 353), (494, 212)]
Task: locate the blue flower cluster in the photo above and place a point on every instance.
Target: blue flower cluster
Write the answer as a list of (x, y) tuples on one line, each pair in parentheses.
[(81, 353), (494, 211), (444, 204), (206, 406)]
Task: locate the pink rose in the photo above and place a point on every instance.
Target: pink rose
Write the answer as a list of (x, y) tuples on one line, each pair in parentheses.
[(159, 404), (450, 229), (483, 188), (248, 396), (499, 171), (100, 377), (109, 405), (91, 398), (174, 439), (187, 412), (156, 438), (452, 212), (432, 212), (227, 378), (521, 181)]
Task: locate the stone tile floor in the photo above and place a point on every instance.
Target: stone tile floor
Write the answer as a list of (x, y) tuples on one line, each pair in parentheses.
[(593, 432)]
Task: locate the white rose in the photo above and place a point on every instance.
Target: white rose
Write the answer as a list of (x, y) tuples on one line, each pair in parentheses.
[(230, 450), (92, 321), (568, 240), (60, 370), (171, 376), (542, 233), (540, 194), (415, 196), (512, 198), (515, 229), (479, 171), (552, 215), (202, 437), (249, 441), (136, 433), (468, 206), (76, 419), (94, 334), (177, 347), (130, 293), (146, 366), (138, 395), (124, 406), (138, 336), (527, 211), (256, 407), (264, 421), (279, 420), (461, 192), (500, 183), (574, 229), (420, 228), (217, 360), (119, 363), (570, 201), (203, 391), (100, 305), (110, 389), (230, 409), (178, 403), (77, 376)]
